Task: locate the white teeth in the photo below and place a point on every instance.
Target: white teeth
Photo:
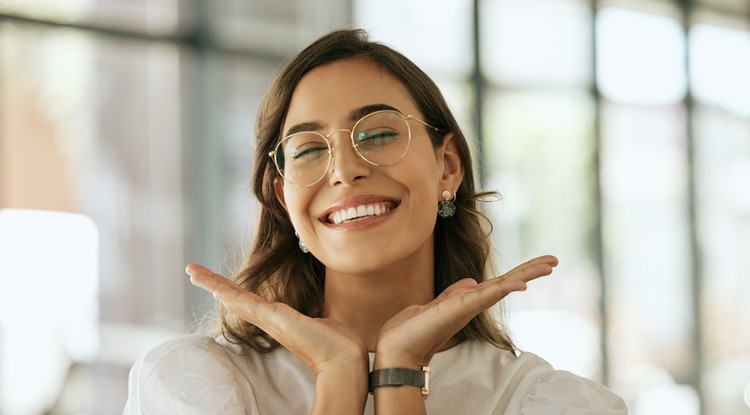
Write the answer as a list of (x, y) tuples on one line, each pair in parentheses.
[(359, 212)]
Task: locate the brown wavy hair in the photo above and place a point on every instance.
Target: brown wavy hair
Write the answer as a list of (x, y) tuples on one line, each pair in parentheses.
[(279, 271)]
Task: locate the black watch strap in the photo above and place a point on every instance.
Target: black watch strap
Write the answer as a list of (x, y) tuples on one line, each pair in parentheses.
[(399, 376)]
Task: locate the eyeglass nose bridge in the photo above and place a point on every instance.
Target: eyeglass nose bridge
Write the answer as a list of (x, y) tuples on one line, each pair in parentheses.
[(351, 142), (340, 130), (332, 154)]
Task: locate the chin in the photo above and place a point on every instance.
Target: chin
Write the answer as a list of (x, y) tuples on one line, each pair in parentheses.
[(354, 264)]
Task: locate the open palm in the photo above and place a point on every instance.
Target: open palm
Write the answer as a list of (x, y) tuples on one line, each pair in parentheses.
[(414, 335), (321, 343)]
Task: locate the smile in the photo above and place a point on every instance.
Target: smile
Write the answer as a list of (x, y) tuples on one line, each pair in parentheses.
[(360, 212)]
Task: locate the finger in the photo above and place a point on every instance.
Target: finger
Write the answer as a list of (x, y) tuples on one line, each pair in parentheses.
[(464, 283), (205, 278), (465, 299), (225, 290), (271, 317), (496, 290), (535, 268), (222, 288), (467, 304), (525, 272), (276, 319), (462, 304), (466, 296), (516, 279), (245, 304), (488, 293), (546, 259)]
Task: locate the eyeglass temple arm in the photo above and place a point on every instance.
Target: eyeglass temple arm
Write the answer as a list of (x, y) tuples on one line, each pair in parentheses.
[(411, 117)]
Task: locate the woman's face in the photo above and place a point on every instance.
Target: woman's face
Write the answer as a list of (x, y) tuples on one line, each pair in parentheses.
[(398, 203)]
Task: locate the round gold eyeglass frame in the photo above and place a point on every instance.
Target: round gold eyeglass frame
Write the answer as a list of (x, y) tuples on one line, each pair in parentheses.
[(326, 138)]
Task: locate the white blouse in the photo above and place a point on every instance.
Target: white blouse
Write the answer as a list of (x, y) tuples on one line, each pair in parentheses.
[(197, 374)]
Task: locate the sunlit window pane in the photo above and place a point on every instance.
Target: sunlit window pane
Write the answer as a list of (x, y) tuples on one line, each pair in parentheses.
[(46, 133), (738, 6), (153, 17), (411, 25), (235, 88), (644, 175), (48, 304), (720, 67), (536, 42), (538, 153), (96, 128), (722, 159), (275, 28), (640, 57), (459, 94), (94, 125)]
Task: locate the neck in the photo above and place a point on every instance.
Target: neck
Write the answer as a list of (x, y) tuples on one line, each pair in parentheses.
[(366, 301)]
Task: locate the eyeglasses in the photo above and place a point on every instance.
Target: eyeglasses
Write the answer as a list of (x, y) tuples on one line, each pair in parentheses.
[(380, 138)]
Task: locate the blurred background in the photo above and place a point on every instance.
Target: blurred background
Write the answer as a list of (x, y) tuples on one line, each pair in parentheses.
[(618, 133)]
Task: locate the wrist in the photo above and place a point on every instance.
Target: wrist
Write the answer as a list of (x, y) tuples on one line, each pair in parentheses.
[(384, 360), (401, 377), (341, 391), (352, 379)]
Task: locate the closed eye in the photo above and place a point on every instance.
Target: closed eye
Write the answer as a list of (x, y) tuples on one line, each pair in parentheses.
[(308, 152)]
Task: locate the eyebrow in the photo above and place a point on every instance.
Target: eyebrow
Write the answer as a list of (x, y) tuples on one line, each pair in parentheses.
[(354, 115), (357, 113), (305, 126)]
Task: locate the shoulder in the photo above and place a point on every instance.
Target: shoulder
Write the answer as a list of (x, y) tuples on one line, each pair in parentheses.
[(190, 374), (190, 344), (550, 391), (497, 379), (192, 353)]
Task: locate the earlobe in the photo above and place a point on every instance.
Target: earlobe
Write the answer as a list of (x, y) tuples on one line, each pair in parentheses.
[(451, 163)]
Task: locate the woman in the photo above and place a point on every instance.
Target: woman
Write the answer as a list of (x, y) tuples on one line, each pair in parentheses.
[(369, 268)]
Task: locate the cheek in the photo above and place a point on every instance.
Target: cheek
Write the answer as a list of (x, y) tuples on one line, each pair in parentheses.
[(424, 175), (297, 202)]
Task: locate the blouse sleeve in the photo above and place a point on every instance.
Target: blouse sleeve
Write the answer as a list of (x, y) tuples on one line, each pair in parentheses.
[(560, 392), (189, 375)]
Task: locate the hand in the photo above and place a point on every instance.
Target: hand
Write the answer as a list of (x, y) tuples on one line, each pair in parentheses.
[(323, 344), (413, 336), (333, 351)]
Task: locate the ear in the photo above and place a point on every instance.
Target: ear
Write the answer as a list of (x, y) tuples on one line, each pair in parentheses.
[(278, 189), (450, 164)]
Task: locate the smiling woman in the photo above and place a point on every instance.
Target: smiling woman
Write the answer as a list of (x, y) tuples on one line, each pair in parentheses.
[(354, 284)]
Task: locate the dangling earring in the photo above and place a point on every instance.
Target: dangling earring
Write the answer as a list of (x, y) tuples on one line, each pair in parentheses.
[(302, 246), (446, 207)]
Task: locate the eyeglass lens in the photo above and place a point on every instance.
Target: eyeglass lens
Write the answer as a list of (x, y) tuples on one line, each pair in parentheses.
[(380, 138)]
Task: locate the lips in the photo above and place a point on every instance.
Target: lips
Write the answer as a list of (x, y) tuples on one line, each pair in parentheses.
[(358, 213), (358, 209)]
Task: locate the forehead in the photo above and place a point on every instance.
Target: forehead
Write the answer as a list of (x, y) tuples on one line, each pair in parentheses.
[(327, 94)]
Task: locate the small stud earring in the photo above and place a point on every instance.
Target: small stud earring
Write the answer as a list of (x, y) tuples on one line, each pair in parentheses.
[(302, 246), (446, 207)]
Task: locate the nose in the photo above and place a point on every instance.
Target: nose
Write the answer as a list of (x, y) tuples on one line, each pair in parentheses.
[(346, 166)]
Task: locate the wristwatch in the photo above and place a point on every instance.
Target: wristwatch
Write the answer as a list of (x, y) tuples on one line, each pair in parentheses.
[(399, 376)]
